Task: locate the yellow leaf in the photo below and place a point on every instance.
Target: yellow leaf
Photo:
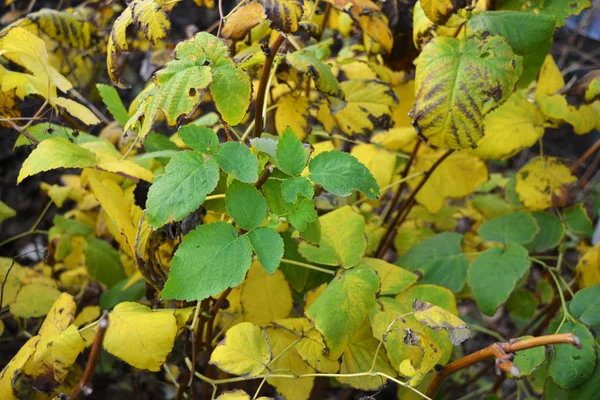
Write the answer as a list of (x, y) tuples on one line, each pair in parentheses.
[(292, 111), (117, 44), (311, 347), (60, 316), (265, 297), (141, 337), (394, 279), (543, 181), (456, 177), (368, 106), (234, 395), (291, 389), (1, 328), (59, 194), (406, 94), (437, 318), (29, 51), (440, 11), (111, 197), (513, 126), (151, 19), (34, 300), (550, 80), (244, 351), (10, 273), (13, 368), (379, 161), (397, 139), (583, 119), (242, 21), (358, 357), (53, 358), (54, 153), (588, 268), (376, 27), (75, 109), (86, 315), (284, 15), (129, 168), (438, 295)]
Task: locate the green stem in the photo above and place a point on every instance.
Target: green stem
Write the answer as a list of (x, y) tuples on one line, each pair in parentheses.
[(313, 267)]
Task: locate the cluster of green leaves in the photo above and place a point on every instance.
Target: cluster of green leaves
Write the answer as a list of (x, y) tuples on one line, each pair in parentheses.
[(289, 226)]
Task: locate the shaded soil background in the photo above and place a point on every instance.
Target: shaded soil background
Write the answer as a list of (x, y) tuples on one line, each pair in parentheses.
[(114, 379)]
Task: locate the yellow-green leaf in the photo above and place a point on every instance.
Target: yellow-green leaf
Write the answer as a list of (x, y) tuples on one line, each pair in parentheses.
[(141, 337), (56, 153), (152, 20), (437, 318), (351, 294), (342, 239), (458, 82), (394, 279), (34, 300), (244, 351)]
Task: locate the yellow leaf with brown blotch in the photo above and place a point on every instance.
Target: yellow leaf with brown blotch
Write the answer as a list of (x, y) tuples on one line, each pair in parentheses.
[(437, 318), (284, 15), (542, 182), (13, 368)]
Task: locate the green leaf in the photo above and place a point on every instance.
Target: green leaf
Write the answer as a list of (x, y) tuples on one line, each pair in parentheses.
[(343, 240), (71, 226), (299, 214), (561, 9), (527, 361), (298, 186), (515, 228), (180, 85), (231, 90), (120, 293), (494, 274), (577, 219), (113, 102), (440, 260), (56, 152), (324, 79), (529, 35), (569, 366), (340, 174), (245, 205), (458, 82), (6, 212), (212, 255), (591, 387), (181, 189), (550, 234), (155, 142), (393, 278), (103, 262), (522, 304), (268, 246), (237, 160), (351, 294), (291, 157), (585, 305), (267, 146), (491, 205), (200, 138)]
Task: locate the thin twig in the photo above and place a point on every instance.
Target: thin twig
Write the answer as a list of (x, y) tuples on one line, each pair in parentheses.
[(264, 79), (406, 205), (492, 351), (400, 189), (84, 383)]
